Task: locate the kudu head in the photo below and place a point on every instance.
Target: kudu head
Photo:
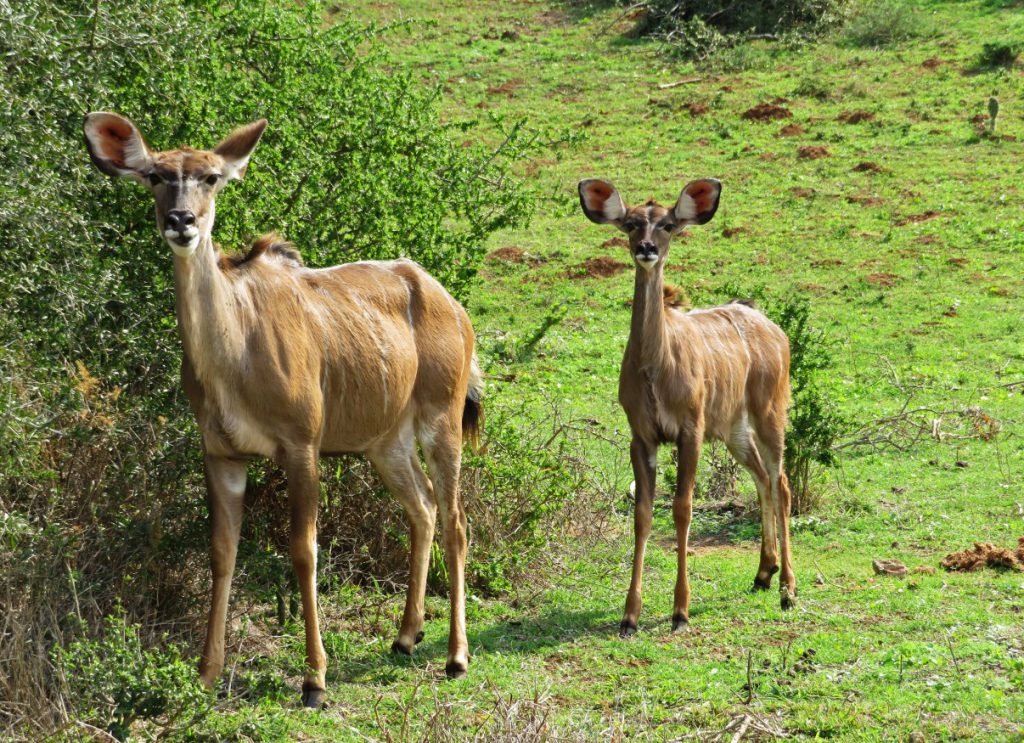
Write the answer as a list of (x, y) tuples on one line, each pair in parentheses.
[(184, 182), (650, 226)]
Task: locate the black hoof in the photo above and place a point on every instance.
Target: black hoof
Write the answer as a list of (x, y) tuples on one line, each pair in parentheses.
[(679, 623), (397, 648), (763, 584), (627, 629), (312, 696), (455, 670)]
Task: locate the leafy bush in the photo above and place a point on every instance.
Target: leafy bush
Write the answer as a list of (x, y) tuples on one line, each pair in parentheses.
[(100, 473), (113, 682), (999, 54), (815, 422), (881, 23), (699, 28)]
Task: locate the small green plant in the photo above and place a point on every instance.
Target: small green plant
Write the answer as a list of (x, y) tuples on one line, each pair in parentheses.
[(517, 350), (999, 54), (815, 423), (114, 682), (882, 23)]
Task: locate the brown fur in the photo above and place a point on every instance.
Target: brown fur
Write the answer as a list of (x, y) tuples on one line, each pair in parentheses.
[(718, 373), (294, 363)]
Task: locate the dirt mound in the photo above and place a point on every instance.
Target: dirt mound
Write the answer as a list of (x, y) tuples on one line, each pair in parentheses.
[(602, 267), (854, 117), (615, 242), (985, 555), (733, 231), (509, 254), (507, 89), (697, 109), (812, 152), (918, 218), (865, 200), (932, 63), (882, 279), (791, 130), (766, 112), (868, 167), (802, 193)]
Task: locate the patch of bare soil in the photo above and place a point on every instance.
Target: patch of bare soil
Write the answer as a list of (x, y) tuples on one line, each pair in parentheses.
[(882, 279), (957, 262), (854, 117), (812, 152), (601, 267), (918, 218), (615, 242), (766, 112), (733, 231), (802, 193), (865, 200), (826, 262), (985, 555), (868, 167), (697, 109), (507, 88), (932, 63), (509, 254), (791, 130), (894, 568)]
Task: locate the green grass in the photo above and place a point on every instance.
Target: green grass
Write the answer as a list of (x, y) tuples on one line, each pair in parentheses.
[(884, 256)]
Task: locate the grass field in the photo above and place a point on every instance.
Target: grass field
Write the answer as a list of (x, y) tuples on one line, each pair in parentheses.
[(875, 196)]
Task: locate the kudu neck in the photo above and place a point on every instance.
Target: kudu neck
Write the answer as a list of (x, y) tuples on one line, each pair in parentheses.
[(207, 310), (647, 327)]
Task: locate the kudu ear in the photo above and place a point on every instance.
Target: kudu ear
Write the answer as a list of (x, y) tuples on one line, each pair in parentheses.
[(238, 146), (601, 202), (698, 202), (116, 146)]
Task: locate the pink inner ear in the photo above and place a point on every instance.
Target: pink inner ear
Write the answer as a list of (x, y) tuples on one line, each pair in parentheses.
[(597, 195), (703, 195)]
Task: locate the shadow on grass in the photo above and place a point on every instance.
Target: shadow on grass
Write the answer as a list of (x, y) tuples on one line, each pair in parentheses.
[(515, 635)]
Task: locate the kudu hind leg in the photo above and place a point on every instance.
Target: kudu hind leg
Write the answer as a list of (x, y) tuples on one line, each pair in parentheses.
[(744, 448), (225, 487), (772, 447), (644, 460), (303, 501), (399, 467), (442, 445)]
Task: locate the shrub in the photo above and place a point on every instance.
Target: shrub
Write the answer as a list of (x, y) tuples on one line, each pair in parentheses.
[(999, 54), (699, 28), (881, 23), (815, 422), (113, 682)]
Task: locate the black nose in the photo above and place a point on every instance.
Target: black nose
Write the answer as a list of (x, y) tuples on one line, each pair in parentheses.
[(646, 249), (179, 219)]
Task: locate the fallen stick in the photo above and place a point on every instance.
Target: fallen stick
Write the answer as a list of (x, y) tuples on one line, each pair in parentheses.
[(677, 83)]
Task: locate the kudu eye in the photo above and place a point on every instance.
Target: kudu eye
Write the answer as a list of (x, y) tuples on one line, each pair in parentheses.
[(668, 227), (154, 179), (211, 180)]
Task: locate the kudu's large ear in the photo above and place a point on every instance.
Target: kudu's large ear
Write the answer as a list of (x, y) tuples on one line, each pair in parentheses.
[(698, 202), (238, 146), (116, 146), (601, 202)]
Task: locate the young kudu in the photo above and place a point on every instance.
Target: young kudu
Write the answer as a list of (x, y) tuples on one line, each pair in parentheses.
[(293, 363), (719, 373)]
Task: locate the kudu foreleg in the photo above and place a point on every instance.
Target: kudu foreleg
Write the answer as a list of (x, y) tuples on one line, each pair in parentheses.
[(644, 460), (303, 500), (225, 488), (682, 515)]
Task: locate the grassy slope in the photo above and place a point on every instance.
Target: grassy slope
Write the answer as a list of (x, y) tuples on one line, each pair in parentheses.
[(883, 663)]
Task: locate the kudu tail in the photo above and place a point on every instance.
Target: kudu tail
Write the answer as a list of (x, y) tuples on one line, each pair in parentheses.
[(473, 412)]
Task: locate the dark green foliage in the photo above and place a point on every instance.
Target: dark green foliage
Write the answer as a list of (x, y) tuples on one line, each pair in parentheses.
[(815, 423), (881, 23), (699, 28), (114, 682), (999, 54)]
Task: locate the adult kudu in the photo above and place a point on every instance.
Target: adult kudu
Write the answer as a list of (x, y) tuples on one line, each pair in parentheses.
[(294, 363), (717, 373)]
